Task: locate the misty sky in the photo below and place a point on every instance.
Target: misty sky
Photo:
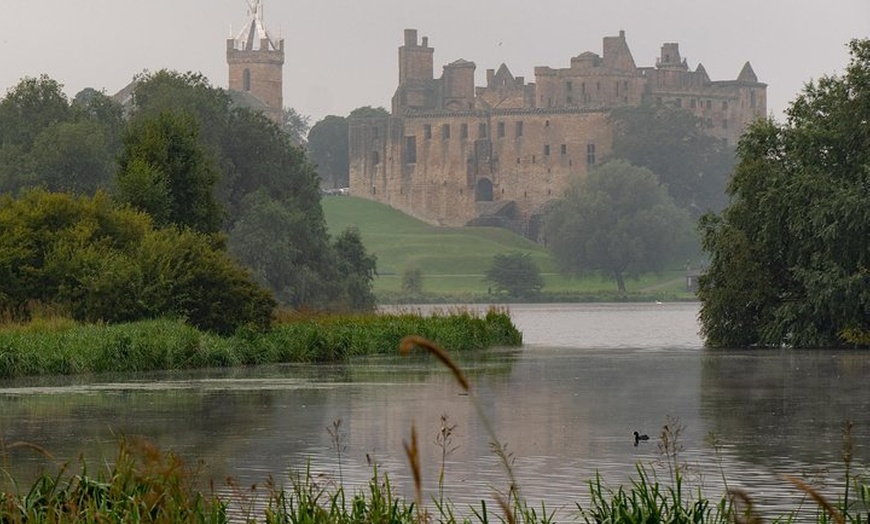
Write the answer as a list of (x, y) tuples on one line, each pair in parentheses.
[(341, 54)]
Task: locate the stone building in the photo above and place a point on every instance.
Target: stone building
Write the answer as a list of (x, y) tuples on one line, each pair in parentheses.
[(256, 64), (452, 153)]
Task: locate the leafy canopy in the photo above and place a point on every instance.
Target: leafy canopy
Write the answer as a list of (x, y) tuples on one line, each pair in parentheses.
[(618, 220), (789, 256), (516, 274)]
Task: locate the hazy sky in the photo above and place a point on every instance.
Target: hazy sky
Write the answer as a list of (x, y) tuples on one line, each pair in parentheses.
[(341, 54)]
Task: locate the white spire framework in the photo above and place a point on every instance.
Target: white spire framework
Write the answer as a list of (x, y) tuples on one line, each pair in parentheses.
[(255, 36)]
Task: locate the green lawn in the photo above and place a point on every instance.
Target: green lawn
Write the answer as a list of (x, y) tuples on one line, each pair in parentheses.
[(453, 260)]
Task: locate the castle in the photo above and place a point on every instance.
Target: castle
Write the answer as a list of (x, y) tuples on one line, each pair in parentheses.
[(454, 154), (255, 61)]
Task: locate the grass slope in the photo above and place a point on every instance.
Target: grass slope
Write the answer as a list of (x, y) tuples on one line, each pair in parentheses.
[(453, 260)]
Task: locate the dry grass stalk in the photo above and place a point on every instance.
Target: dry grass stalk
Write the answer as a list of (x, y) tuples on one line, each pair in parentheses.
[(505, 506), (743, 507), (410, 342), (413, 453), (28, 445), (818, 498)]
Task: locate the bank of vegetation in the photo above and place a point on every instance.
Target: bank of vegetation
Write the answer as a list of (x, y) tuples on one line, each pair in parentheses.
[(65, 347)]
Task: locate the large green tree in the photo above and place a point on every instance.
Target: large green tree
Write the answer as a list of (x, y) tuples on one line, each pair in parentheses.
[(674, 145), (789, 256), (618, 220), (166, 172), (328, 147)]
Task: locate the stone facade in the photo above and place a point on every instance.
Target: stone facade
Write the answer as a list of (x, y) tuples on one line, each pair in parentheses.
[(453, 154), (256, 64)]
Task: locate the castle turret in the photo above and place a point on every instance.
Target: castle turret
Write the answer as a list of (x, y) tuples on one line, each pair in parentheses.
[(256, 62)]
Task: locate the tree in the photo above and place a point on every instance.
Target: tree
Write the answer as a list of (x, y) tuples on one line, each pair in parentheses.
[(328, 147), (672, 143), (295, 125), (412, 281), (789, 256), (102, 263), (30, 107), (357, 270), (516, 274), (164, 159), (618, 220)]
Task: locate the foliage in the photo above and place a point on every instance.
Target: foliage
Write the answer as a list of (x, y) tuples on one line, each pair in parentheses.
[(790, 261), (515, 273), (170, 344), (165, 171), (357, 268), (673, 144), (618, 220), (295, 125), (101, 263), (412, 281), (46, 141), (328, 147)]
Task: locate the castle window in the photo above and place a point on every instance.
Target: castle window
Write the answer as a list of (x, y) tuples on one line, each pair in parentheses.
[(546, 123), (546, 149), (617, 87), (678, 102), (564, 149), (568, 86), (597, 86), (445, 131), (376, 158), (590, 154), (569, 100), (709, 122), (693, 103), (724, 105), (519, 129), (410, 149), (427, 131), (533, 159), (501, 129), (246, 80), (659, 100), (374, 132), (481, 130), (709, 104), (583, 88), (463, 131), (752, 99)]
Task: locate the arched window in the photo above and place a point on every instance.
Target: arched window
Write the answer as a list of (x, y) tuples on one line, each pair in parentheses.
[(246, 80)]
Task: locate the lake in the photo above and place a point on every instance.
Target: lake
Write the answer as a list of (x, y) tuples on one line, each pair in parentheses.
[(565, 405)]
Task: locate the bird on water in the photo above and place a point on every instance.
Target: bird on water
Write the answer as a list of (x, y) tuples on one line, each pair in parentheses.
[(638, 437)]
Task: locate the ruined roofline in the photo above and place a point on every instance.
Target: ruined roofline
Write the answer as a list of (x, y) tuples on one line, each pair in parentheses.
[(484, 113)]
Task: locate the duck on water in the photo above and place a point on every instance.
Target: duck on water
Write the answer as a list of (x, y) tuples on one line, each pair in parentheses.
[(638, 438)]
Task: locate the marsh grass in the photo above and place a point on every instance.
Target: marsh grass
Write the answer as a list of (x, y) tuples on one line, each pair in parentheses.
[(67, 348)]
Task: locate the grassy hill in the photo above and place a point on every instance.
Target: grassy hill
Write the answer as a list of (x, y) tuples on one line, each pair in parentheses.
[(453, 260)]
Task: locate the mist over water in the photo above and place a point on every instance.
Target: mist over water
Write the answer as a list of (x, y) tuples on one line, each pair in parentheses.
[(565, 404)]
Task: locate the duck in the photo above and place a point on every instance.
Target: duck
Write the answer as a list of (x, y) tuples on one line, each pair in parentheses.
[(638, 437)]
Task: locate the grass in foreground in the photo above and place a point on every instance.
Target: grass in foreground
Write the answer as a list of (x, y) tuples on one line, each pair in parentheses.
[(144, 485)]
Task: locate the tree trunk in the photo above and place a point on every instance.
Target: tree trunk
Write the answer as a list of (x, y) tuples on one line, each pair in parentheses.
[(619, 281)]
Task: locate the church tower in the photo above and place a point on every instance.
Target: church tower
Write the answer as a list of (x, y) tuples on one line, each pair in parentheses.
[(256, 62)]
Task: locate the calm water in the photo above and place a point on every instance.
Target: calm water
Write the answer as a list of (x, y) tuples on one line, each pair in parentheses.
[(566, 404)]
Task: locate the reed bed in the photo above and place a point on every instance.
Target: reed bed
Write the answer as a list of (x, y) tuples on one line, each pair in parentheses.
[(66, 348)]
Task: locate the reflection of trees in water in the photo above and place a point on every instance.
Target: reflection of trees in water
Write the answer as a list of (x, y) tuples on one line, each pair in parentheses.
[(793, 403)]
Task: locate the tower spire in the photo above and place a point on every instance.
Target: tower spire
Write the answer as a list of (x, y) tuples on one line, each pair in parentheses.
[(255, 36)]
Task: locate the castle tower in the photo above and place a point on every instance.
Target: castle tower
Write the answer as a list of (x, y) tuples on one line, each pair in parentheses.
[(256, 62)]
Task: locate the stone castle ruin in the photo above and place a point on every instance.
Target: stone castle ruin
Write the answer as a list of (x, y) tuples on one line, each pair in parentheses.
[(453, 154)]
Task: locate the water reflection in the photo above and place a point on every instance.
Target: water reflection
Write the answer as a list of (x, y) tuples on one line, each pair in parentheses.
[(566, 405)]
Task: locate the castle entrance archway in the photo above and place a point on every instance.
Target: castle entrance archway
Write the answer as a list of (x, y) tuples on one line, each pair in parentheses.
[(483, 190)]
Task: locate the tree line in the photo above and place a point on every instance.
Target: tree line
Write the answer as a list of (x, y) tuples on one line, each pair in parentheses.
[(229, 194)]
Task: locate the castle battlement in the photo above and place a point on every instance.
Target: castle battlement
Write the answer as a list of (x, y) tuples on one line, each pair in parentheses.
[(451, 149)]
